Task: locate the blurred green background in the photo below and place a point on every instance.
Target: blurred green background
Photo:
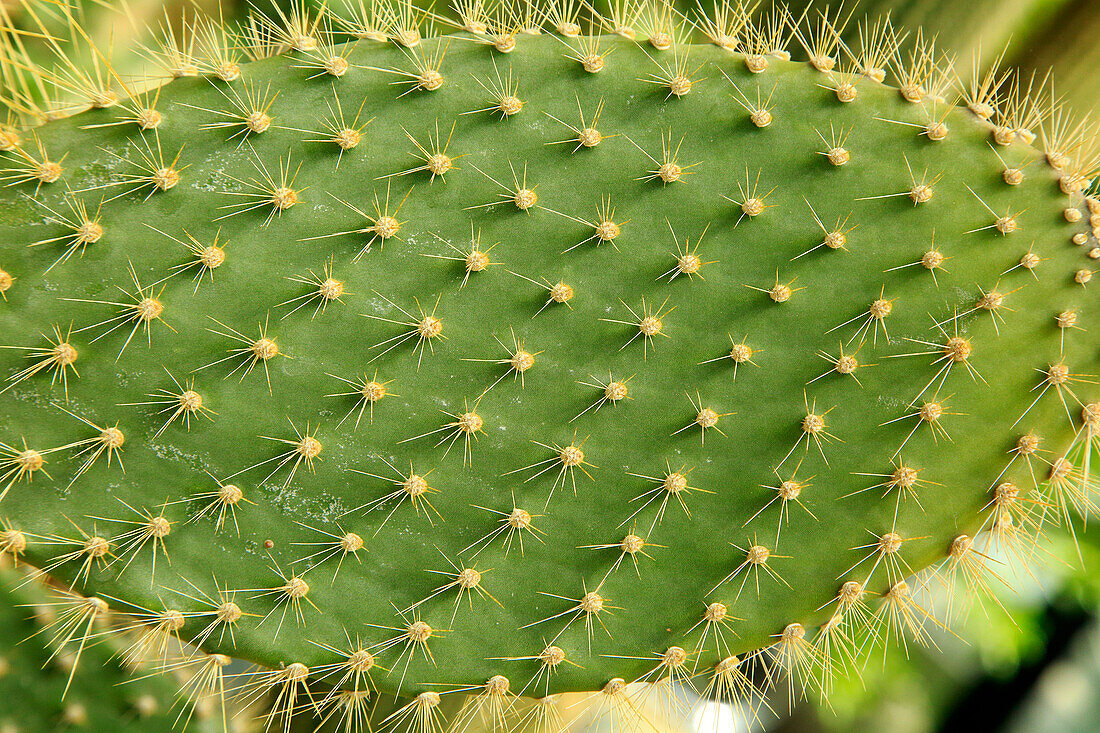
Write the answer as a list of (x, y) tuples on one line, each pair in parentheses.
[(1034, 669)]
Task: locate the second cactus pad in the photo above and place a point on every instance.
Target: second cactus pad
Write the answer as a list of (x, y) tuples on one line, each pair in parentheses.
[(516, 369)]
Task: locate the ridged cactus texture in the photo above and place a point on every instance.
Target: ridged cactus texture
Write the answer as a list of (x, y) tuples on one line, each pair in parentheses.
[(502, 363)]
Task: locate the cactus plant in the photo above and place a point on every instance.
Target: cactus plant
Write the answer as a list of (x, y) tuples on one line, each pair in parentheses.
[(1036, 37), (514, 362), (37, 671)]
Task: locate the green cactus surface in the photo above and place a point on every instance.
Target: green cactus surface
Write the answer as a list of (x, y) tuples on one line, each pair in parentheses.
[(455, 355), (38, 694)]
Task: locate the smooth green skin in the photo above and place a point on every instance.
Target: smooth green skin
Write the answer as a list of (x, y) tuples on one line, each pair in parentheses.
[(31, 686), (657, 608)]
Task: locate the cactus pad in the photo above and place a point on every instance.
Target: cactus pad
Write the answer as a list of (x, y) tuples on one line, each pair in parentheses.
[(494, 368)]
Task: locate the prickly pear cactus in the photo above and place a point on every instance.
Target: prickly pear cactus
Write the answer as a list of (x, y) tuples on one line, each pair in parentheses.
[(511, 362), (44, 687)]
